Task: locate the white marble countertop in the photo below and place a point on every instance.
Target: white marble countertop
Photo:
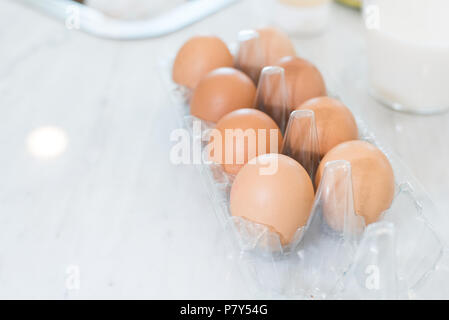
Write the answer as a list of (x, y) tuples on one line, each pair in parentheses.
[(112, 208)]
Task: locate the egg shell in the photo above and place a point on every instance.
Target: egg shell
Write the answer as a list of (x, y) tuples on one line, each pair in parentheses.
[(304, 81), (271, 46), (335, 123), (282, 201), (197, 57), (372, 177), (275, 45), (220, 92), (255, 127)]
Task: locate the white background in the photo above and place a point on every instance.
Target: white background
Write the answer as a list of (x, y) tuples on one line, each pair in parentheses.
[(112, 205)]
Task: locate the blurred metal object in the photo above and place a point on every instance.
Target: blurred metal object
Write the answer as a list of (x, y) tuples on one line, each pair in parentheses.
[(92, 21)]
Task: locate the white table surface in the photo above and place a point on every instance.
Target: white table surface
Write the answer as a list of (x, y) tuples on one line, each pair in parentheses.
[(112, 205)]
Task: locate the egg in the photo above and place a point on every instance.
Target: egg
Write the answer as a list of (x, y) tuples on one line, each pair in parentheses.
[(270, 46), (220, 92), (244, 134), (197, 57), (372, 180), (275, 45), (274, 191), (304, 81), (334, 122)]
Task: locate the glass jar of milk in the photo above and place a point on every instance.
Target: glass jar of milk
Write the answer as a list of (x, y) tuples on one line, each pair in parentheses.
[(408, 53)]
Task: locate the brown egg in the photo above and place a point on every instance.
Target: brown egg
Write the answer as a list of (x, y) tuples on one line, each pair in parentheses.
[(271, 46), (197, 57), (304, 81), (241, 131), (220, 92), (274, 191), (334, 122), (372, 178), (275, 45)]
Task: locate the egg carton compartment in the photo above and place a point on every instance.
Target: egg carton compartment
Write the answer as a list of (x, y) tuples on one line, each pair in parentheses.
[(400, 256)]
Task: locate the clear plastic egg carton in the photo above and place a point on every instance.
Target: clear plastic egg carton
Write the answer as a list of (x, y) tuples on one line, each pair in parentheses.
[(399, 257)]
